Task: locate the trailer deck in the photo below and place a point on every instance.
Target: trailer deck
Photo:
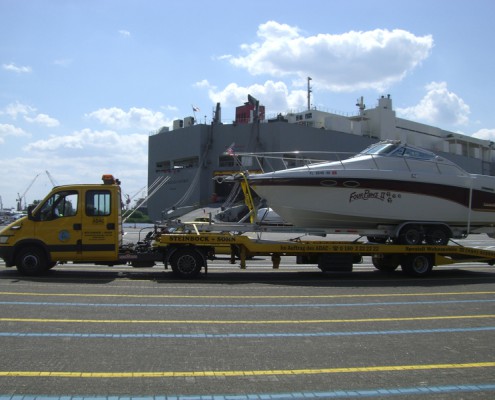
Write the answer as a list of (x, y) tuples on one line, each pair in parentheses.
[(198, 244)]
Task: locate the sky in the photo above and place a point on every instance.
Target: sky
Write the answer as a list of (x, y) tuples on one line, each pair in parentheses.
[(84, 83)]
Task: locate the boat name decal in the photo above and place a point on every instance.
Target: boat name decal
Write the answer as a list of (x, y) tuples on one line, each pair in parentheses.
[(367, 194)]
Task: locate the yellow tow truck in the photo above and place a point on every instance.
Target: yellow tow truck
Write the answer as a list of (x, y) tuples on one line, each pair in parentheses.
[(83, 224)]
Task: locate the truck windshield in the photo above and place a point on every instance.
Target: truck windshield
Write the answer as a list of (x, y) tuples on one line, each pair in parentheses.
[(60, 204)]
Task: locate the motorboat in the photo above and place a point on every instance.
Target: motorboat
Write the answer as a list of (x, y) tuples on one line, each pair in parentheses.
[(388, 184)]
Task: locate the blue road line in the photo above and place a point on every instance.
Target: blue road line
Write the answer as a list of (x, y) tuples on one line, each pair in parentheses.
[(315, 305), (237, 335), (335, 394)]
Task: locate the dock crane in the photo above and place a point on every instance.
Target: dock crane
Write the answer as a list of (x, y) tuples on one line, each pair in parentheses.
[(51, 178), (22, 197)]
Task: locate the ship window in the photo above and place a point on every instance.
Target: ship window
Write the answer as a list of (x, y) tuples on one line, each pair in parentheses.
[(186, 162), (308, 115), (229, 161), (163, 166), (226, 161)]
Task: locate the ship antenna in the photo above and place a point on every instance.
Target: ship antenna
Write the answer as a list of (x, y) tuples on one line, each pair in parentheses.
[(309, 94)]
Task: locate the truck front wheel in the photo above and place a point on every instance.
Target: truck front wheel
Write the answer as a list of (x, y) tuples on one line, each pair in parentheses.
[(187, 263), (31, 261)]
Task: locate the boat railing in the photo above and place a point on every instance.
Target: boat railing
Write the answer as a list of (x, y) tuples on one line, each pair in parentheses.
[(274, 161)]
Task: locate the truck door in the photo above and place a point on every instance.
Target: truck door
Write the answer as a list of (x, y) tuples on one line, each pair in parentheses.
[(58, 225), (101, 227)]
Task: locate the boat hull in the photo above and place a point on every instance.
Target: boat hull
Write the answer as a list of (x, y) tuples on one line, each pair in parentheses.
[(343, 201)]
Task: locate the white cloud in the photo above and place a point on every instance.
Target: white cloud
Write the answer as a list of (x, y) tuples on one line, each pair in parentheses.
[(15, 109), (346, 62), (43, 119), (438, 106), (88, 139), (85, 155), (10, 130), (124, 33), (486, 134), (170, 108), (63, 62), (17, 69), (140, 118), (202, 84), (18, 172), (275, 96)]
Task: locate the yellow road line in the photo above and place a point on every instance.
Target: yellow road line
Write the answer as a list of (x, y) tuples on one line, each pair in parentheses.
[(236, 322), (179, 296), (295, 372)]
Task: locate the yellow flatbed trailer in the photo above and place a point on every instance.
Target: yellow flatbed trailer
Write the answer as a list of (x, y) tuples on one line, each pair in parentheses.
[(187, 253)]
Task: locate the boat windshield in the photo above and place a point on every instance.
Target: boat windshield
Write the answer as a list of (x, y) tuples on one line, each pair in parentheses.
[(380, 149), (398, 150)]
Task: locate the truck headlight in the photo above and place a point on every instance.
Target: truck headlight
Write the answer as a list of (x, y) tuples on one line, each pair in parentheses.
[(4, 239)]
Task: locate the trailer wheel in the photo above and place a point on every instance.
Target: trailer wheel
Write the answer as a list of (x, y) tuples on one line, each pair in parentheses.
[(187, 263), (417, 264), (411, 235), (386, 262), (31, 261), (437, 236)]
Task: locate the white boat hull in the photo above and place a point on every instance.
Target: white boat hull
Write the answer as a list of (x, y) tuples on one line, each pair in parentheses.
[(366, 211), (375, 202)]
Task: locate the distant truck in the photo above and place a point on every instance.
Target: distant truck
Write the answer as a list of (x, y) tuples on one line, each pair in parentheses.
[(83, 224)]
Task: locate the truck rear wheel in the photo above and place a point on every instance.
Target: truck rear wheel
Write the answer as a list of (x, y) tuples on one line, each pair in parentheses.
[(31, 261), (417, 264), (187, 263)]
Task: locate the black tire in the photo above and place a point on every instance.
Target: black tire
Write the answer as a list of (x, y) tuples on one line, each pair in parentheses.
[(386, 262), (411, 235), (437, 236), (417, 265), (187, 263), (51, 265), (31, 261)]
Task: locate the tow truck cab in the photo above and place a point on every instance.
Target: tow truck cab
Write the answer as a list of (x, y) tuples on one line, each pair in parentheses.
[(72, 223)]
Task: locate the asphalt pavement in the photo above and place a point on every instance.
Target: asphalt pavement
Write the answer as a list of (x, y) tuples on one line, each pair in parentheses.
[(96, 332)]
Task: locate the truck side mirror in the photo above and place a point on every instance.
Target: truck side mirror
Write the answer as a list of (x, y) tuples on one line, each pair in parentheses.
[(30, 209)]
